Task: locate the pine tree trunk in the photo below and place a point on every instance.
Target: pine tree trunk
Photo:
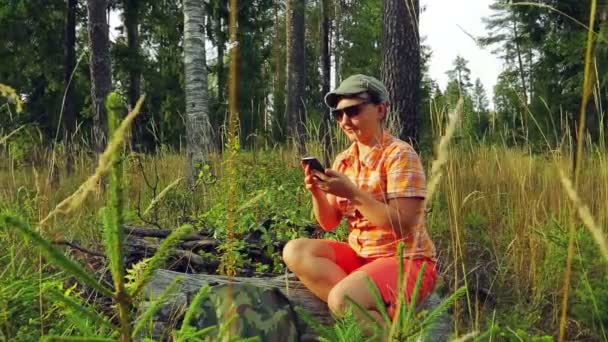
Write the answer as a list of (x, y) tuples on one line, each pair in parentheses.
[(198, 126), (101, 69), (142, 139), (221, 44), (325, 81), (337, 42), (279, 85), (296, 72), (69, 111), (401, 64)]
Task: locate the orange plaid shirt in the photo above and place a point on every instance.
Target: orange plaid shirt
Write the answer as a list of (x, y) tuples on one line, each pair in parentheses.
[(391, 169)]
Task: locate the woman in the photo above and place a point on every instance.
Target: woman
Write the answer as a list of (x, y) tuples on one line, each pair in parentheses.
[(378, 185)]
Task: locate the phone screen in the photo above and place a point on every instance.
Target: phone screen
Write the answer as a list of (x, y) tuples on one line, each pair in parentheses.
[(314, 163)]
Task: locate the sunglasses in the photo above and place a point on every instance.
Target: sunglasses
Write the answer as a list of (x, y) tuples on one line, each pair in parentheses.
[(349, 111)]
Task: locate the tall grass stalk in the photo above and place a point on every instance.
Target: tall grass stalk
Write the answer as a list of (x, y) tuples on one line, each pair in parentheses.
[(162, 194), (585, 215), (578, 157), (5, 138), (442, 150)]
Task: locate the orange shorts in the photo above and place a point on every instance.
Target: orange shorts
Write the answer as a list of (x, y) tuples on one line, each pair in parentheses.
[(384, 272)]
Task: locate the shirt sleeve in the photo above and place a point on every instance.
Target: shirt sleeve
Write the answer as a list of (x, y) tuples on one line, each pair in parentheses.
[(404, 174)]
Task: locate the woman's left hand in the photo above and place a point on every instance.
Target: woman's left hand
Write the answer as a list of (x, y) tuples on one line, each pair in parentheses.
[(336, 183)]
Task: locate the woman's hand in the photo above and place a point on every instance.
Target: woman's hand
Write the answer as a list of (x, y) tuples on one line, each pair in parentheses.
[(336, 183), (323, 204), (311, 180)]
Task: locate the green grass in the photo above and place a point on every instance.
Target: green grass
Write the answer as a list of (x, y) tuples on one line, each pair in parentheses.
[(507, 205)]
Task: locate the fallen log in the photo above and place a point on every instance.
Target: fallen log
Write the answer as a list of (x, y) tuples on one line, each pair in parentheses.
[(163, 233), (293, 289)]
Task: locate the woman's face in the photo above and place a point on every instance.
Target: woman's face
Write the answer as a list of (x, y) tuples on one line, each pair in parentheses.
[(359, 118)]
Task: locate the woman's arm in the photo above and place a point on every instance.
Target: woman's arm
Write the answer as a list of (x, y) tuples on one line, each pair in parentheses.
[(401, 213)]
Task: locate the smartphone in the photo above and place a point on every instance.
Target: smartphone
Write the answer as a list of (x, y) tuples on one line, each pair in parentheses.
[(314, 163)]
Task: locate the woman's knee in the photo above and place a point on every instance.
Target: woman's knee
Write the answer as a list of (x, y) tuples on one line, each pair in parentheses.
[(295, 251), (336, 300), (353, 288)]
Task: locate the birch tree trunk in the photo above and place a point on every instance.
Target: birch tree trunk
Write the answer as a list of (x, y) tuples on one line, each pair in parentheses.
[(198, 126)]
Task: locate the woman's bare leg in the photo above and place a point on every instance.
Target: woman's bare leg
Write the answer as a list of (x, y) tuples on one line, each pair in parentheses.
[(313, 261), (355, 286)]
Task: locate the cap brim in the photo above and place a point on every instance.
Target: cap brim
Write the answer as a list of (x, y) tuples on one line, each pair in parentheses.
[(331, 98)]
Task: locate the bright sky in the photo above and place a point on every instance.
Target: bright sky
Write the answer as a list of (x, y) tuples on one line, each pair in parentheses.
[(439, 26)]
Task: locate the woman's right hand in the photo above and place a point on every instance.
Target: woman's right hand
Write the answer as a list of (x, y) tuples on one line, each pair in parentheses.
[(325, 212), (310, 180)]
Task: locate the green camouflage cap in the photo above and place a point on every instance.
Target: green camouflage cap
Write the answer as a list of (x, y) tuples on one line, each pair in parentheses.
[(356, 84)]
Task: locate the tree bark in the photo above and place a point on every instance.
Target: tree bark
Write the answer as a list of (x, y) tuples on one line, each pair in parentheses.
[(337, 43), (142, 139), (325, 82), (279, 86), (401, 65), (198, 126), (296, 72), (221, 45), (69, 111), (101, 69), (293, 289)]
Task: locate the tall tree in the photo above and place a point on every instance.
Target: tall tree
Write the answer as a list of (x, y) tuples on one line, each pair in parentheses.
[(325, 78), (32, 61), (504, 29), (101, 69), (296, 72), (161, 32), (480, 99), (401, 64), (142, 138), (460, 86), (337, 46), (481, 119), (198, 126), (69, 109), (131, 19), (461, 74), (362, 38), (218, 36)]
